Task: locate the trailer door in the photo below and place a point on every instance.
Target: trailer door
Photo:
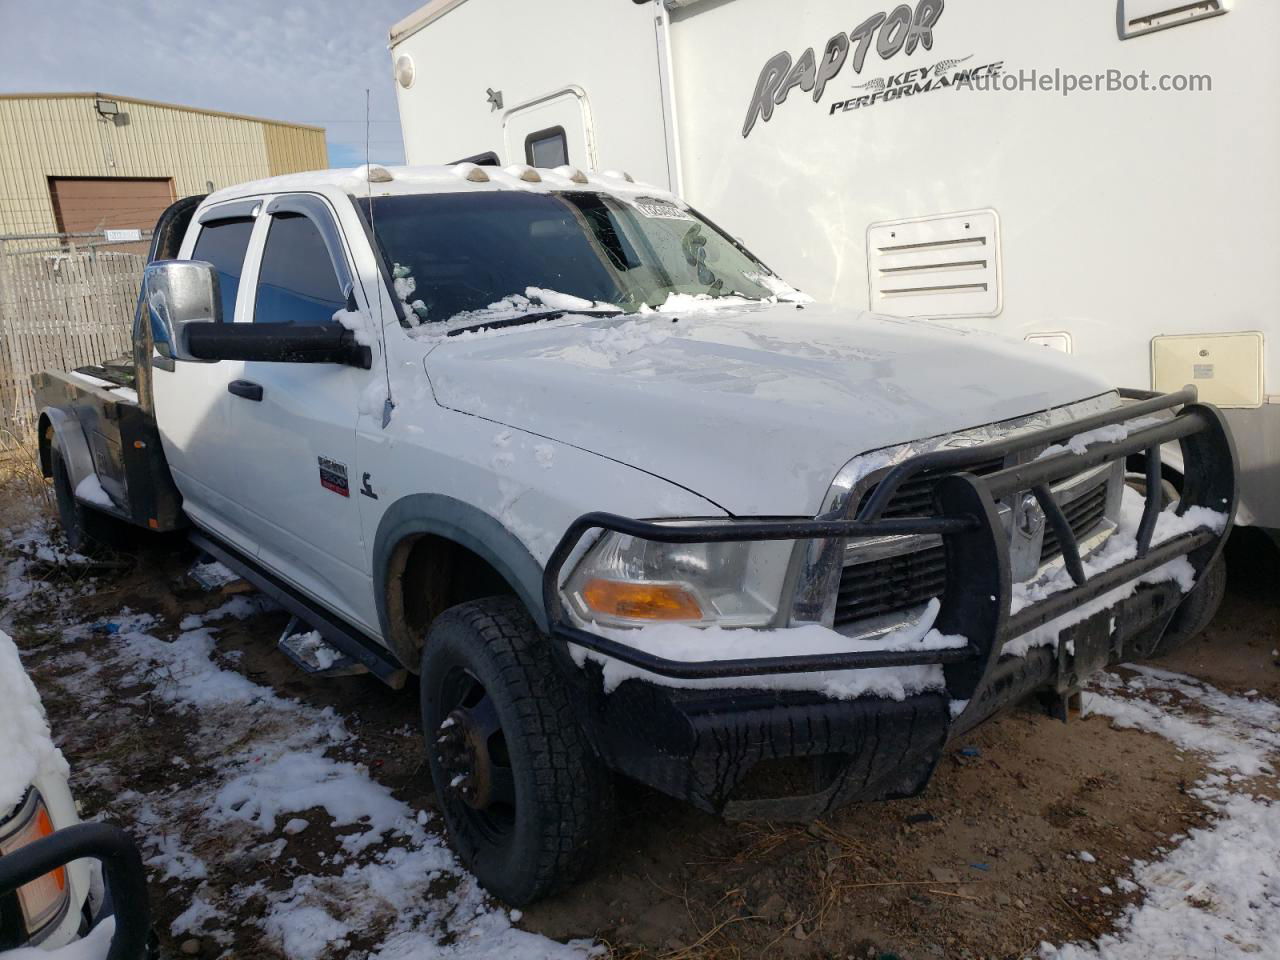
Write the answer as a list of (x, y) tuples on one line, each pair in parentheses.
[(551, 131)]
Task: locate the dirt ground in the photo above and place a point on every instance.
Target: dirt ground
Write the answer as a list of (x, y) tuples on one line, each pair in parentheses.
[(984, 864)]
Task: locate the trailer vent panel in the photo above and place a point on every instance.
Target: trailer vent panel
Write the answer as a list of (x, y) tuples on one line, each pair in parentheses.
[(942, 266)]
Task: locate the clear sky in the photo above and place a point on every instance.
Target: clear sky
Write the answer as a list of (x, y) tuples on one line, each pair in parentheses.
[(303, 62)]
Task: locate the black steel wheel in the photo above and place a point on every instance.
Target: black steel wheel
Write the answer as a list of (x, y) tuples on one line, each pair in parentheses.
[(527, 802)]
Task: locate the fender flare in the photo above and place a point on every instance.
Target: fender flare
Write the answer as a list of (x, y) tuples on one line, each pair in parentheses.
[(69, 437), (469, 527)]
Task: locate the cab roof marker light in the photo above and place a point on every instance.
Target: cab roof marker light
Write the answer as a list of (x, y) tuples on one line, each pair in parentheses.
[(619, 175), (373, 173), (573, 173), (524, 172), (471, 172)]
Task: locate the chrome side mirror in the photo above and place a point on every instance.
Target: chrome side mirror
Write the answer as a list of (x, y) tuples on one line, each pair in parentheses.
[(177, 294)]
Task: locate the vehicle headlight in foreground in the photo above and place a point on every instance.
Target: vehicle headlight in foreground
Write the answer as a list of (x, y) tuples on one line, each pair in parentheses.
[(625, 581), (42, 901)]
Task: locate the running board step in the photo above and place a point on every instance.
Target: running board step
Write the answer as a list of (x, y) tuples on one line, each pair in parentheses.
[(308, 649), (336, 632)]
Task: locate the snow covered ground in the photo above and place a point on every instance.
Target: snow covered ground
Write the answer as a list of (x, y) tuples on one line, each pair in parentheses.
[(1216, 893), (260, 770), (268, 766)]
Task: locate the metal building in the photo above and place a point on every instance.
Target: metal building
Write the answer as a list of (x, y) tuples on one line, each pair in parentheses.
[(84, 162)]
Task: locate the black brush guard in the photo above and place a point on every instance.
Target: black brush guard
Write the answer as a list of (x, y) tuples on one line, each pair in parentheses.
[(123, 874), (979, 586), (701, 745)]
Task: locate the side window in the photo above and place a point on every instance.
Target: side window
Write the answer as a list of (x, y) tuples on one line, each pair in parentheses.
[(547, 148), (223, 243), (296, 282)]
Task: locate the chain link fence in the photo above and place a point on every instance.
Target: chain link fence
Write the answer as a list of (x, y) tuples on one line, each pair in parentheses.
[(66, 300)]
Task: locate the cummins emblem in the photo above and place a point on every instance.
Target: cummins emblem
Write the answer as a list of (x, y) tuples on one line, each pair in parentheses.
[(902, 28)]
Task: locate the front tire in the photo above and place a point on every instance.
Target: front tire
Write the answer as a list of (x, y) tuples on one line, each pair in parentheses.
[(1196, 612), (527, 802)]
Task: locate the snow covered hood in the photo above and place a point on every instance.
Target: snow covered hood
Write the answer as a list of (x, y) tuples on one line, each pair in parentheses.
[(26, 747), (755, 408)]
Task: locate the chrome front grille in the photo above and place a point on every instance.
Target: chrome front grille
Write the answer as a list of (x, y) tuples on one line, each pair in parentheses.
[(915, 497), (885, 582), (1083, 515), (891, 584)]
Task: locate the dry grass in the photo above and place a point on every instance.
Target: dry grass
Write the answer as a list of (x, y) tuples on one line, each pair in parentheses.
[(19, 470), (23, 489)]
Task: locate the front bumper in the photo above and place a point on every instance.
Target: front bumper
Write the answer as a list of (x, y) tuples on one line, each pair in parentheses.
[(701, 746)]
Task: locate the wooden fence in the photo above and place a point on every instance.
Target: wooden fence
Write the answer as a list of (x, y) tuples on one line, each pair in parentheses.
[(65, 301)]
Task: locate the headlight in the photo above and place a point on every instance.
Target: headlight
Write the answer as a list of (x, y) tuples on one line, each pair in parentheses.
[(628, 582), (43, 901)]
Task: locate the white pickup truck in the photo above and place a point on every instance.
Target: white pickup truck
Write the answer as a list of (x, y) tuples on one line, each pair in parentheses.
[(625, 501)]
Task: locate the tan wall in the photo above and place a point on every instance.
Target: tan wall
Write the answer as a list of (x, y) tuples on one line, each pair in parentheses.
[(63, 136)]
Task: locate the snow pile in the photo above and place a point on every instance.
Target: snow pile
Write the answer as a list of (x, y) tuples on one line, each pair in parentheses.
[(1122, 546), (211, 575), (115, 389), (1111, 433), (512, 306), (708, 644), (778, 287), (691, 303), (359, 323), (90, 491), (30, 548), (1243, 738), (311, 647), (405, 285), (93, 947), (1217, 895), (608, 344), (26, 747)]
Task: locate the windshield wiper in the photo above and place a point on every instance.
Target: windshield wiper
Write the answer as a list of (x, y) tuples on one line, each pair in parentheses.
[(526, 318)]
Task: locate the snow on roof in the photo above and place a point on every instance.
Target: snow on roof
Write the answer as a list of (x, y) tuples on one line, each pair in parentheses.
[(440, 179), (26, 749)]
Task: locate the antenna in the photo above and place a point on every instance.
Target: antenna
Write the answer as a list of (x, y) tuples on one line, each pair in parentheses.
[(388, 404)]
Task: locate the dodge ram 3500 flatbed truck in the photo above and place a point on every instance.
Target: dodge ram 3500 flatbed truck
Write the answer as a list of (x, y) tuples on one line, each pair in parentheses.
[(623, 500)]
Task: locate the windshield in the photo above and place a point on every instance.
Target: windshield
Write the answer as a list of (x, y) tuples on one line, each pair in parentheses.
[(468, 259)]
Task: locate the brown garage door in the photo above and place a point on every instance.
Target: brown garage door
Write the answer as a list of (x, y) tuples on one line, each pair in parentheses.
[(85, 204)]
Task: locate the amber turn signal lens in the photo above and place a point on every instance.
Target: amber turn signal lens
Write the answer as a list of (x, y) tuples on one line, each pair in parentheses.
[(641, 601), (44, 828), (44, 899)]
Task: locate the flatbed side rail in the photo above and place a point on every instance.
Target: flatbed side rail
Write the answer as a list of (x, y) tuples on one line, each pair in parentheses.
[(977, 597)]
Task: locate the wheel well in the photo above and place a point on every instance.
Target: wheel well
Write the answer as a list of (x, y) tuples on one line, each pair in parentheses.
[(427, 574), (1137, 463)]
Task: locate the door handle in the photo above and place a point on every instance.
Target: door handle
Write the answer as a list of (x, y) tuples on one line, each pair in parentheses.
[(245, 388)]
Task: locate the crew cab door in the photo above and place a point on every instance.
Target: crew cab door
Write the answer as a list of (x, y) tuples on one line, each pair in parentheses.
[(193, 408), (295, 423)]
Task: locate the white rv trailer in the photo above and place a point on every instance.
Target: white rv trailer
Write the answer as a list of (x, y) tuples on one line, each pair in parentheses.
[(872, 153)]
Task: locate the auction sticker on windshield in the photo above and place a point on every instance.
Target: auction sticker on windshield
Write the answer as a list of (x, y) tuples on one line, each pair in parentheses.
[(656, 209)]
